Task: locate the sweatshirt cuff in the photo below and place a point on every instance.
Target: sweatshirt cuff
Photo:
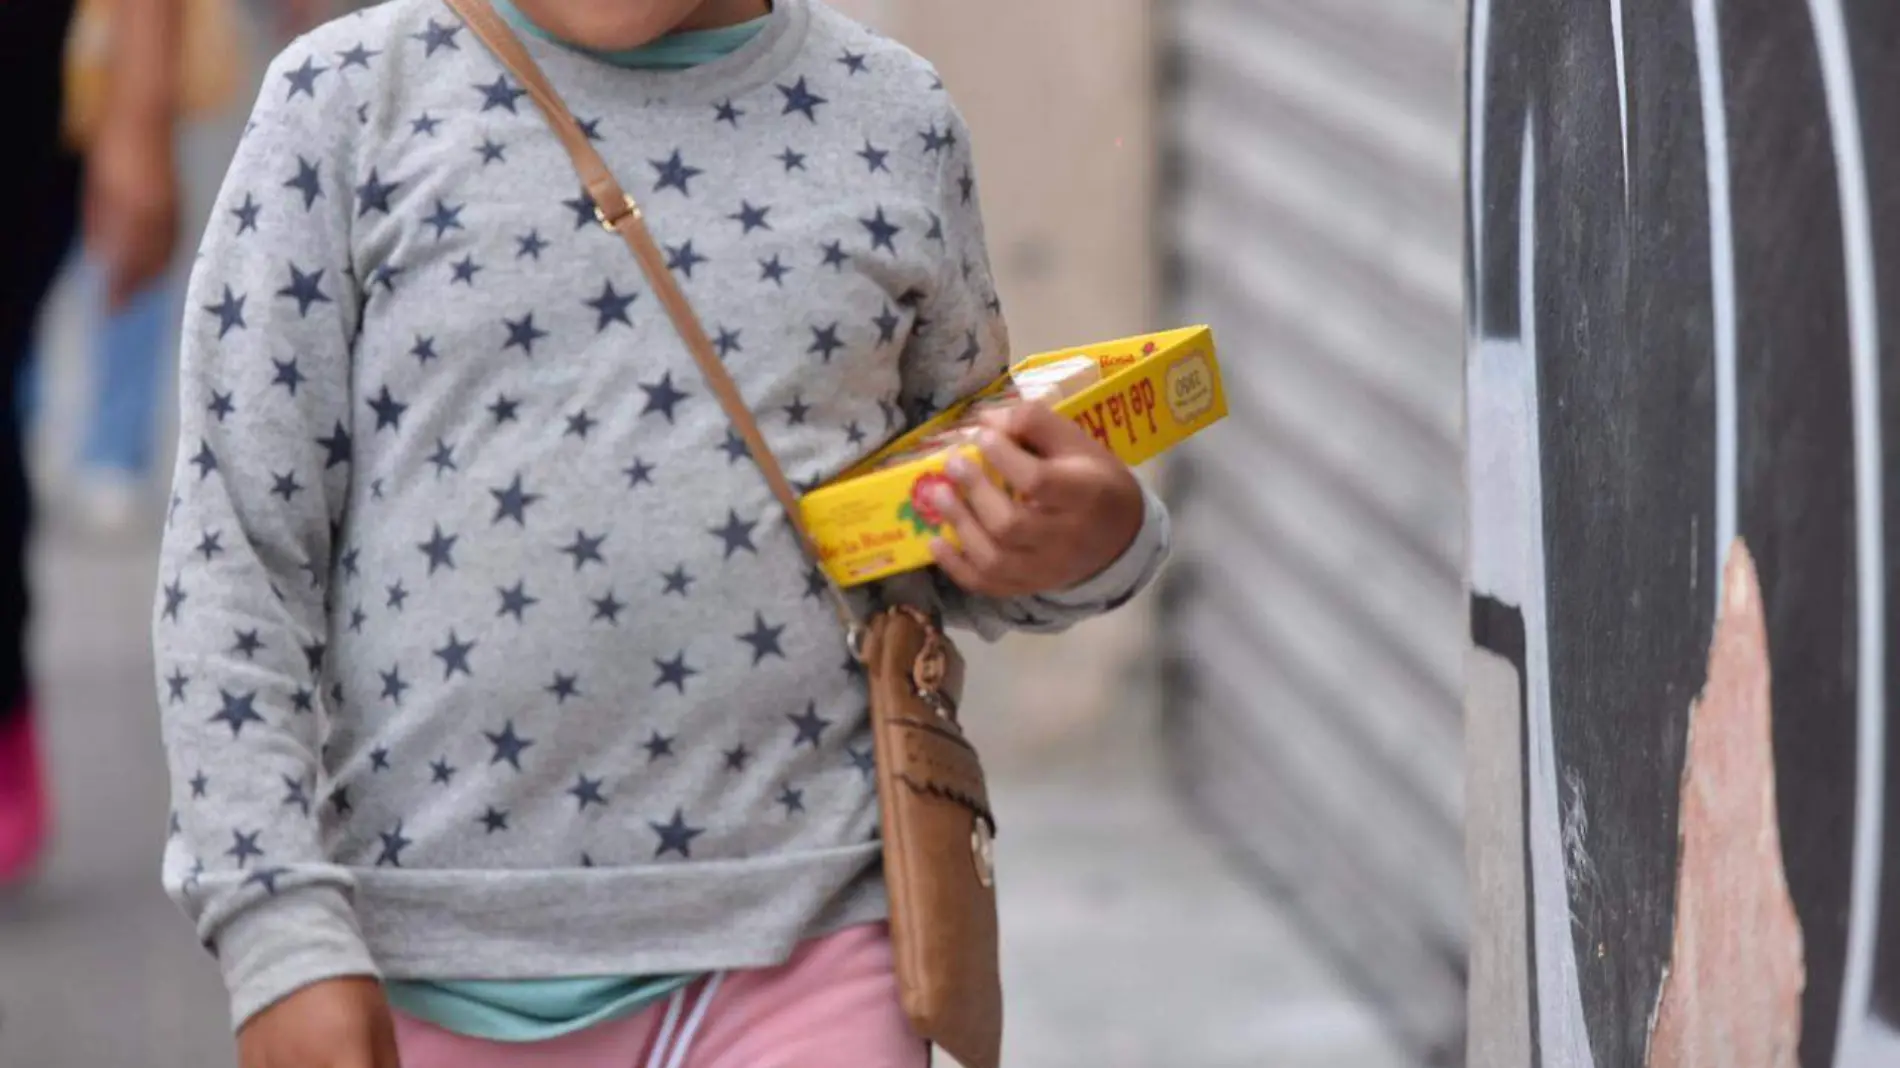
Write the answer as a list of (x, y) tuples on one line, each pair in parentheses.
[(1132, 571), (286, 943)]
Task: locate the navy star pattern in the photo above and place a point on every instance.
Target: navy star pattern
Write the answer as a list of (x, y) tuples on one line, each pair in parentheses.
[(515, 601), (512, 502), (522, 334), (244, 847), (674, 673), (305, 289), (882, 231), (306, 182), (247, 214), (675, 173), (887, 323), (683, 258), (438, 491), (229, 312), (438, 37), (825, 341), (801, 100), (445, 218), (611, 307), (750, 217), (735, 447), (356, 56), (587, 791), (564, 687), (774, 271), (303, 79), (509, 746), (394, 842), (500, 94), (676, 836), (374, 194), (454, 657), (608, 608), (764, 639), (658, 746), (583, 208), (662, 397), (287, 376)]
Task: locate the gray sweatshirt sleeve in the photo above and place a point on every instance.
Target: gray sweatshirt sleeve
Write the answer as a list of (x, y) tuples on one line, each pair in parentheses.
[(240, 623), (961, 342)]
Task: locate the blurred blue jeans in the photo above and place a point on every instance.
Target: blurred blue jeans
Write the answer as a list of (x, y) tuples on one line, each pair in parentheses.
[(131, 353)]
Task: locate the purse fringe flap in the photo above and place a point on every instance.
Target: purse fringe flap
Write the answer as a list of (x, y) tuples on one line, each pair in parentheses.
[(937, 762)]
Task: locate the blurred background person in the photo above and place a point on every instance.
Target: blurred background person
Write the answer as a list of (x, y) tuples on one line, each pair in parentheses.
[(130, 351), (130, 209), (130, 337)]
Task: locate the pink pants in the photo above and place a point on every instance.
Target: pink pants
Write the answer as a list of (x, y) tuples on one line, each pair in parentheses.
[(833, 1005)]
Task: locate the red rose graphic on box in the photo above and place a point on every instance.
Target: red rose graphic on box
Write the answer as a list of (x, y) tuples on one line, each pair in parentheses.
[(921, 511)]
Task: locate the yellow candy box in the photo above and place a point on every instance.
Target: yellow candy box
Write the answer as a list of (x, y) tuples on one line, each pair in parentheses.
[(1157, 390)]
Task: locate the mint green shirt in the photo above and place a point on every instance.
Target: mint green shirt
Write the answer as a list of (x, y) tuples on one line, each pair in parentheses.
[(675, 51), (534, 1011)]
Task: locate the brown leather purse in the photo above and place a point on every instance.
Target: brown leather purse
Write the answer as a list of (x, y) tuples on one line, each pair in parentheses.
[(937, 825)]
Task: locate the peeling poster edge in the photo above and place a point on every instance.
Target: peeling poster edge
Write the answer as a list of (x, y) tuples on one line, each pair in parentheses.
[(1731, 994)]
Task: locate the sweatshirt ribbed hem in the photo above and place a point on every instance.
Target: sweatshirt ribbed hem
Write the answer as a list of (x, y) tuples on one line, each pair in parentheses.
[(655, 920), (286, 943)]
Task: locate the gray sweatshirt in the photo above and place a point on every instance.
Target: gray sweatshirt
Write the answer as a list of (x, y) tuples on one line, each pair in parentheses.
[(484, 651)]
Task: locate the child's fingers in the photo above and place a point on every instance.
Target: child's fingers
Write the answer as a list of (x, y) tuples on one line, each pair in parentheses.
[(970, 575), (989, 564), (1021, 470), (1043, 432), (961, 571), (1004, 519), (978, 545), (1045, 482)]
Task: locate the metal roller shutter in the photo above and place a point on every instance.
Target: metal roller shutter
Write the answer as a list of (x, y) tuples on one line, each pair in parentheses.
[(1314, 625)]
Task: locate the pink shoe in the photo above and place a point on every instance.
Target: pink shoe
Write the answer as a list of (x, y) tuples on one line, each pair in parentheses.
[(23, 801)]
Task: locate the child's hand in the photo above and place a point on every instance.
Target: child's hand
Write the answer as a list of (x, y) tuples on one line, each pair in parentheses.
[(1076, 507), (338, 1023)]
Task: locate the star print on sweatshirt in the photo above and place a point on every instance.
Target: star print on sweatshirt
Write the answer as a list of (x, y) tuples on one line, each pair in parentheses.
[(483, 649)]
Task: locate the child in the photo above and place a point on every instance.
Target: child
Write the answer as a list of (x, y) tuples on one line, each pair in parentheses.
[(495, 685)]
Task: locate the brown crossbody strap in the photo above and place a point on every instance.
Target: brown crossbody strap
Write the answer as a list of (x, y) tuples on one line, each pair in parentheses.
[(618, 212)]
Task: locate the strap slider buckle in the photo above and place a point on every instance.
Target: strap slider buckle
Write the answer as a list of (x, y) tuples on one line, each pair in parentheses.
[(612, 225)]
